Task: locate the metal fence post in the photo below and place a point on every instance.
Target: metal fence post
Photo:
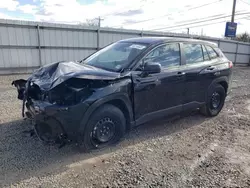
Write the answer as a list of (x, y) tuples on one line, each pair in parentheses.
[(39, 45), (141, 33), (98, 38), (235, 57)]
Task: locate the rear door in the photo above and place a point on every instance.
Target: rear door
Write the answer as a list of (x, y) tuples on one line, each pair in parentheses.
[(197, 61), (220, 66), (211, 71)]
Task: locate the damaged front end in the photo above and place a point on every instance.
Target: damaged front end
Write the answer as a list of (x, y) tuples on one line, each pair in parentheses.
[(56, 99), (56, 113)]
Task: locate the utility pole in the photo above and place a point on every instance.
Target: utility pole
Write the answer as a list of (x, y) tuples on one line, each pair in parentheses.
[(98, 32), (188, 31), (233, 11), (99, 21)]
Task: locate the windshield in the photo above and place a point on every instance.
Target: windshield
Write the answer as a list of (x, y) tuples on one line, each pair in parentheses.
[(116, 56)]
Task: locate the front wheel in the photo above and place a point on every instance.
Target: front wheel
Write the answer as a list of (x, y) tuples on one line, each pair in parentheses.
[(106, 126), (215, 101)]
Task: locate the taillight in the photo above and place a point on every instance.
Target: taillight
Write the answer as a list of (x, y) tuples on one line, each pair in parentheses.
[(230, 64)]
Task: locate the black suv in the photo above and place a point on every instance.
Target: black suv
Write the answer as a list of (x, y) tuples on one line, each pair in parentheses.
[(94, 101)]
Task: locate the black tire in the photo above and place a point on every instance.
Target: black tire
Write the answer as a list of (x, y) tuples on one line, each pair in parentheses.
[(108, 114), (208, 109)]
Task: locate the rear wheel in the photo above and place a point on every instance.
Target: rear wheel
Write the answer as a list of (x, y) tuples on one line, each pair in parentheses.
[(215, 101), (105, 127)]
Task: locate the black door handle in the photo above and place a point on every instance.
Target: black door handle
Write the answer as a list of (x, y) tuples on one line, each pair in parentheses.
[(181, 73), (211, 68)]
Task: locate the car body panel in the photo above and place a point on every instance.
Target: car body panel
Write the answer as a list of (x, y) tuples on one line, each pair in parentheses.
[(51, 75), (152, 93), (142, 97)]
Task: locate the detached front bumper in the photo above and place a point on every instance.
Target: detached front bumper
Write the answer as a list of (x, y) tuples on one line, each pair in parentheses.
[(53, 121)]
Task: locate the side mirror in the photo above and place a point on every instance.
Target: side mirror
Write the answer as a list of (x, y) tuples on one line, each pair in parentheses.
[(152, 67)]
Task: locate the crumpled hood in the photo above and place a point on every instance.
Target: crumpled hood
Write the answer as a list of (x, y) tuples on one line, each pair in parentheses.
[(51, 75)]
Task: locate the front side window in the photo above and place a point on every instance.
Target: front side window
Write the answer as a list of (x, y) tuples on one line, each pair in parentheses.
[(116, 56), (193, 53), (212, 54), (167, 55)]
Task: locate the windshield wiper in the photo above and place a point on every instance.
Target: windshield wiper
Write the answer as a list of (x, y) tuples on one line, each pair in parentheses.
[(81, 61)]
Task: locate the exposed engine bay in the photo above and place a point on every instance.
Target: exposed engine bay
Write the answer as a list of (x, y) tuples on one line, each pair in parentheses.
[(55, 95)]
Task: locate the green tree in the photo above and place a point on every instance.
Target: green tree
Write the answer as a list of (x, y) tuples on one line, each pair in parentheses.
[(244, 37)]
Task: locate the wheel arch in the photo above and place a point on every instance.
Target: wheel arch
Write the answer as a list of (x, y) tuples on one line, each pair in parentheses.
[(223, 81), (119, 100), (224, 85)]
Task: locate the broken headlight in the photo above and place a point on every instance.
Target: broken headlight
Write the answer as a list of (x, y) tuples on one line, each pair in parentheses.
[(68, 95)]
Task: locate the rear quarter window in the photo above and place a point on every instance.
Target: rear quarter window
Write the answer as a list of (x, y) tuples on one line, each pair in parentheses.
[(219, 52)]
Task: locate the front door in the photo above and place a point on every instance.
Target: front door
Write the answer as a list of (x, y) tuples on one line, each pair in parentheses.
[(160, 94)]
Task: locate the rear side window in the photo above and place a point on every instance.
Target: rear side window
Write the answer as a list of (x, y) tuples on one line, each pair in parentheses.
[(193, 53), (212, 54), (167, 55), (205, 54)]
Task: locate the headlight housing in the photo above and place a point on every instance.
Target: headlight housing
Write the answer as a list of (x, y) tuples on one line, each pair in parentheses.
[(68, 95)]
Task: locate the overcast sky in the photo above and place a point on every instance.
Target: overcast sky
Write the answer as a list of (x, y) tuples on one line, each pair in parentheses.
[(158, 15)]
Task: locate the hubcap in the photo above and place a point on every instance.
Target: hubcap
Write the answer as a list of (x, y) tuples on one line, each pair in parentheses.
[(104, 130), (215, 100)]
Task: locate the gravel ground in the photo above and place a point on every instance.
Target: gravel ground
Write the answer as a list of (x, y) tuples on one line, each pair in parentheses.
[(189, 151)]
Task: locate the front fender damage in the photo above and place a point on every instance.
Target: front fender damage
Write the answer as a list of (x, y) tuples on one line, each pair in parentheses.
[(56, 113), (56, 97)]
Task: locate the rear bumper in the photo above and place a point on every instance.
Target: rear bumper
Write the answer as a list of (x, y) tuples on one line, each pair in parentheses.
[(57, 120)]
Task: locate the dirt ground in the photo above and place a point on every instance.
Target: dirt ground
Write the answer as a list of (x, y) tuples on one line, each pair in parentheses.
[(189, 151)]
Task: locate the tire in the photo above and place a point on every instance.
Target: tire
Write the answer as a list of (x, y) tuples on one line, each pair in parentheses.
[(105, 116), (209, 109)]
